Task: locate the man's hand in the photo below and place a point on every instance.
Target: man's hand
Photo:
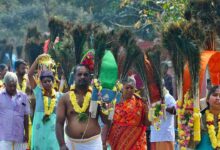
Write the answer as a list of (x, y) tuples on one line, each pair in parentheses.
[(171, 110)]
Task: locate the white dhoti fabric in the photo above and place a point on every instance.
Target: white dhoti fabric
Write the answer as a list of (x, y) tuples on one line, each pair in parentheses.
[(92, 143), (7, 145)]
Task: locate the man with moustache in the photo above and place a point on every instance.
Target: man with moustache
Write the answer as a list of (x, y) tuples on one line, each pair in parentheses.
[(82, 132)]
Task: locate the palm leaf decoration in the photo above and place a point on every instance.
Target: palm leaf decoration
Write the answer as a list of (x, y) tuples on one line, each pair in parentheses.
[(140, 68), (91, 31), (32, 47), (113, 44), (79, 36), (99, 46), (207, 14), (131, 52), (56, 27), (124, 37), (192, 54), (154, 57), (64, 53), (171, 41)]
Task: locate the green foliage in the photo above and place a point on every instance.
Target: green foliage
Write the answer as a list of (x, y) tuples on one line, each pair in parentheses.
[(157, 12), (206, 13), (17, 15)]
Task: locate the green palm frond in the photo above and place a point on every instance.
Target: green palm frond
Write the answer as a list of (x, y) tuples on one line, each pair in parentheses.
[(56, 27), (79, 36), (113, 44), (99, 46), (124, 37), (140, 68), (171, 41), (132, 51), (191, 52), (154, 58)]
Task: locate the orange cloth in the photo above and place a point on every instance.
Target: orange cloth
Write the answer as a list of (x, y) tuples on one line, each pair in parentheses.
[(128, 131), (162, 145), (209, 59)]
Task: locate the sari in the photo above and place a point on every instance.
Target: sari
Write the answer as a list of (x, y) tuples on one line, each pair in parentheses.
[(128, 131)]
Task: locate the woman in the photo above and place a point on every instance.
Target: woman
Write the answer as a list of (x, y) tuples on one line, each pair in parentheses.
[(128, 131), (43, 129), (210, 135)]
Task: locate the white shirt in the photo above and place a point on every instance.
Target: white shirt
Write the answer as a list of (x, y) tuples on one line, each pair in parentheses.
[(166, 132)]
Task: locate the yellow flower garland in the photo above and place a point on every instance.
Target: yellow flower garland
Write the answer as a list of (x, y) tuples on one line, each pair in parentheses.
[(74, 103), (1, 84), (197, 126), (215, 139), (23, 84), (48, 110)]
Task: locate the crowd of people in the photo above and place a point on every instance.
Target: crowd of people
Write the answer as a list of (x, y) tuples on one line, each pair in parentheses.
[(34, 115)]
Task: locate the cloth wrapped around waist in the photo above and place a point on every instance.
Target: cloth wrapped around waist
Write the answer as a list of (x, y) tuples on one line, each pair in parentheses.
[(92, 143)]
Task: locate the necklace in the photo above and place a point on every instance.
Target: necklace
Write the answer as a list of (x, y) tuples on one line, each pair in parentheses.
[(214, 138), (82, 116), (23, 85), (48, 109)]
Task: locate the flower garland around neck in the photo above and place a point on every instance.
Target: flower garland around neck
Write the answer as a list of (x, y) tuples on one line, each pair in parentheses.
[(117, 88), (82, 115), (48, 109), (185, 121), (23, 85), (214, 138)]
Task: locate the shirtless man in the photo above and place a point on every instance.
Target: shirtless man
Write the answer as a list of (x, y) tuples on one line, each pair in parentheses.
[(80, 134)]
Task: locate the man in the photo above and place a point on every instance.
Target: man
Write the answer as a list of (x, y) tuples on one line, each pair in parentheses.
[(14, 110), (21, 68), (164, 138), (167, 77), (3, 70), (23, 85), (81, 132)]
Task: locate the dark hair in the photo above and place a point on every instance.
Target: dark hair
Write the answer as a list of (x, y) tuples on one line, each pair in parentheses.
[(211, 91), (19, 62), (3, 66), (77, 66), (45, 74)]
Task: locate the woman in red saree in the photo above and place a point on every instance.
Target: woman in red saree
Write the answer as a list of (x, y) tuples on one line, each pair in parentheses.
[(128, 130)]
